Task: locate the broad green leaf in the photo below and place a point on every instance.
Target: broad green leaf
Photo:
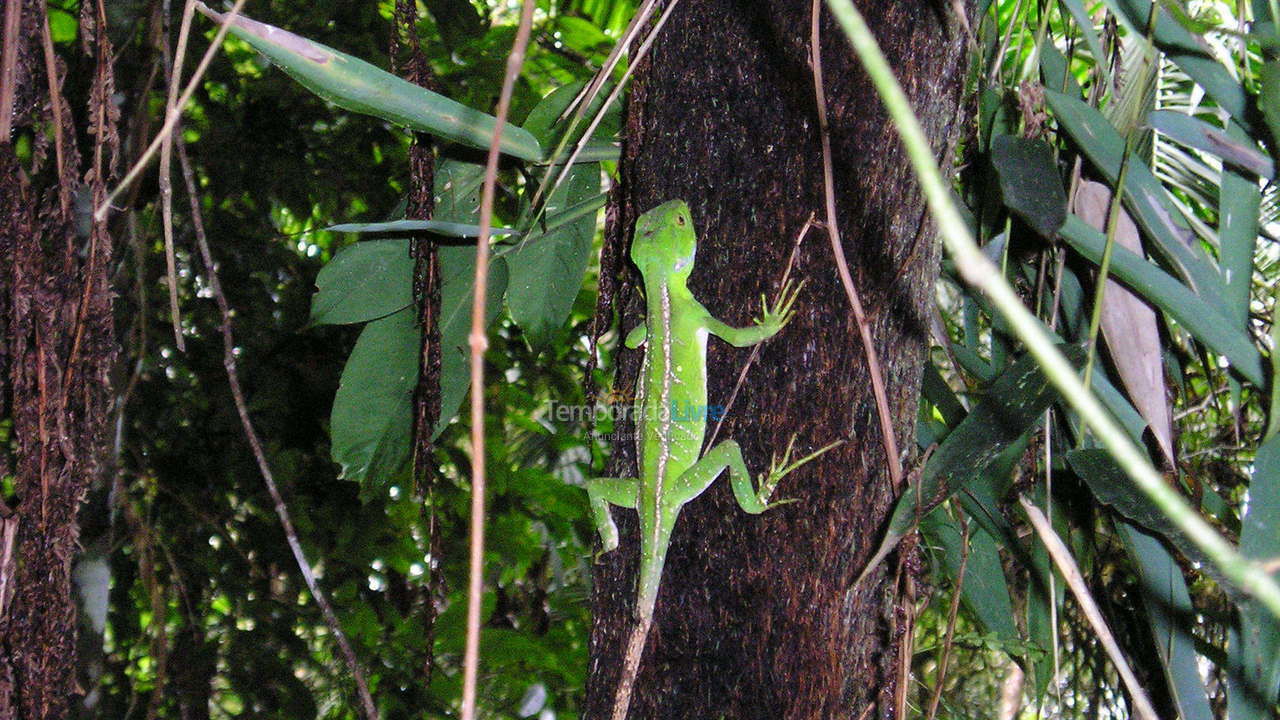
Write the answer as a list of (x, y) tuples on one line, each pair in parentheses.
[(355, 85), (1254, 683), (1202, 320), (364, 282), (1169, 612), (373, 408), (548, 265), (1113, 488), (1056, 71), (1029, 182), (547, 268), (439, 227), (1145, 197), (1012, 405), (457, 190), (1235, 148), (545, 123), (985, 591), (1239, 200), (457, 270), (1269, 97)]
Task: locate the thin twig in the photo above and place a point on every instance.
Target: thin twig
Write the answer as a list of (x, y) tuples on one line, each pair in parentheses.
[(479, 343), (1071, 573), (368, 709), (874, 368), (171, 118), (8, 66), (173, 63), (55, 105), (755, 351)]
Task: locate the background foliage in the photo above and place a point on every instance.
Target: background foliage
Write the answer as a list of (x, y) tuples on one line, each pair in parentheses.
[(194, 607)]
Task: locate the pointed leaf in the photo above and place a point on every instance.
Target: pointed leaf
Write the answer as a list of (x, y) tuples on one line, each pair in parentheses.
[(373, 409), (547, 268), (1169, 612), (1239, 201), (985, 591), (364, 282), (1254, 684), (1029, 182), (1235, 149), (1012, 405), (439, 227), (355, 85)]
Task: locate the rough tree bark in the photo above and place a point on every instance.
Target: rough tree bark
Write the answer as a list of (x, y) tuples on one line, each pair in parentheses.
[(757, 617), (56, 352)]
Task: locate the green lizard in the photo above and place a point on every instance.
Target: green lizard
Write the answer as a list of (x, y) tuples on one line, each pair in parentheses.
[(673, 381)]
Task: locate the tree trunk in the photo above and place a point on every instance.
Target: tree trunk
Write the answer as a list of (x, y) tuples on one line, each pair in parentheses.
[(56, 352), (758, 616)]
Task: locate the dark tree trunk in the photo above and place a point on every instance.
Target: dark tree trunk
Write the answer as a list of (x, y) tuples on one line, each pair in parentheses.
[(57, 350), (757, 617)]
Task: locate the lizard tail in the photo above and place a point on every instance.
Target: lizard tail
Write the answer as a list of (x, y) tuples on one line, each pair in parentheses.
[(631, 666)]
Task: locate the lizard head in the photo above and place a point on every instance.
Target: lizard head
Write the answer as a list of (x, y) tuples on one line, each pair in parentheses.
[(665, 242)]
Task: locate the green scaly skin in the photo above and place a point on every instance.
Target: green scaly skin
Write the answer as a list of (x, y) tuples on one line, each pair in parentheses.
[(674, 377)]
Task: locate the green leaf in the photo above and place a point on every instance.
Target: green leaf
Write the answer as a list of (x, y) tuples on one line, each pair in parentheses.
[(1269, 97), (985, 592), (457, 190), (373, 408), (547, 269), (1239, 200), (355, 85), (1145, 197), (364, 282), (1171, 615), (63, 26), (545, 123), (1011, 406), (1201, 319), (1235, 148), (1112, 487), (457, 275), (1056, 71), (1254, 682), (439, 227), (1029, 182)]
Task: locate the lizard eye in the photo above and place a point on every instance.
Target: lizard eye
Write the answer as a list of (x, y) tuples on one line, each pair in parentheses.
[(680, 220)]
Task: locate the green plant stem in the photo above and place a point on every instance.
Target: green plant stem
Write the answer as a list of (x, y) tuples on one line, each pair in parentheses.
[(983, 275)]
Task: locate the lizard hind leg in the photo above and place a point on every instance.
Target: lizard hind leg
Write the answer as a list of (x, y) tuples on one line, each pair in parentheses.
[(727, 455), (602, 492)]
